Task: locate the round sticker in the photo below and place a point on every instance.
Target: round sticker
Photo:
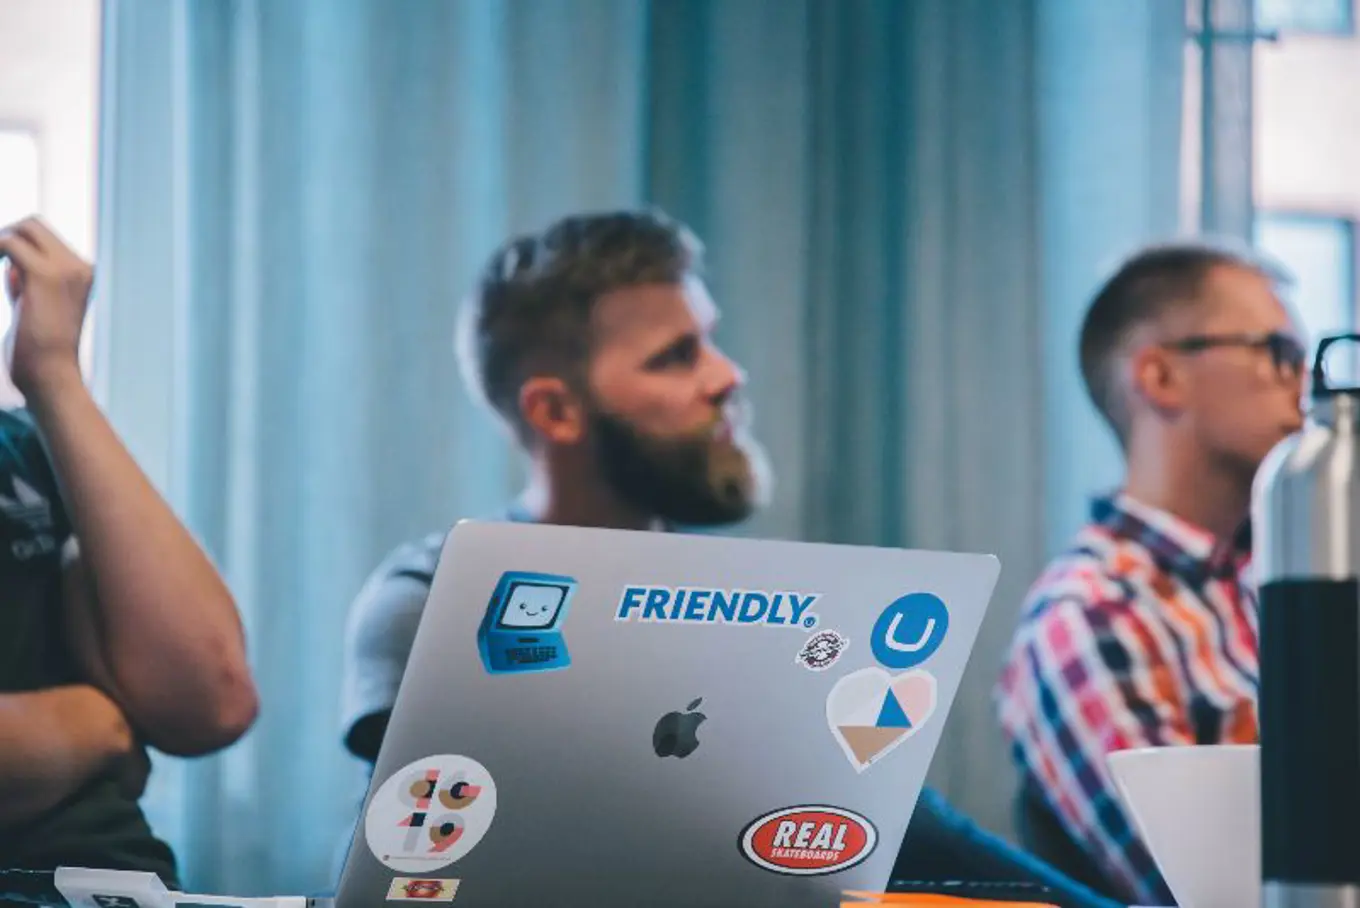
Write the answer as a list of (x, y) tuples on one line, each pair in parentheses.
[(822, 650), (430, 813), (909, 631)]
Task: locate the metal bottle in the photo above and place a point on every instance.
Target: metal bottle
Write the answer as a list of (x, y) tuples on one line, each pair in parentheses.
[(1306, 547)]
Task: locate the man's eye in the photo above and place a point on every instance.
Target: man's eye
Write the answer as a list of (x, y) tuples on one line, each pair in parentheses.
[(683, 353)]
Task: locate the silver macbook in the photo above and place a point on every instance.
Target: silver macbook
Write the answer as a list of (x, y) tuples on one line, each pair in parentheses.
[(610, 718)]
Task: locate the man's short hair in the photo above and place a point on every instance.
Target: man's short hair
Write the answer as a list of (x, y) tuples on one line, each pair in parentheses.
[(1157, 280), (529, 313)]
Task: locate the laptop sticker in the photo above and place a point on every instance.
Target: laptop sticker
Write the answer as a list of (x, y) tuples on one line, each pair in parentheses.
[(821, 651), (872, 712), (808, 841), (522, 628), (404, 889), (430, 813), (702, 605), (909, 631)]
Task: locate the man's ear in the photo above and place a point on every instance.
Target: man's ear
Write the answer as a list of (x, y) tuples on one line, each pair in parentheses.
[(1156, 377), (552, 410)]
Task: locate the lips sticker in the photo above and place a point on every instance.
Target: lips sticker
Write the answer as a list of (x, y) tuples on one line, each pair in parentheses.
[(408, 890), (871, 712)]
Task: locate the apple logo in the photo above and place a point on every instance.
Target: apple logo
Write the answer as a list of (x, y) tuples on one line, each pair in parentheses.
[(677, 734)]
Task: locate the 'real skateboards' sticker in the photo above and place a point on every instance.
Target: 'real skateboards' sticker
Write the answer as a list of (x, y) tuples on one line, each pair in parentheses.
[(808, 841)]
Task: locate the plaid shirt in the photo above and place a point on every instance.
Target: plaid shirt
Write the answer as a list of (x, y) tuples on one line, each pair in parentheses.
[(1142, 634)]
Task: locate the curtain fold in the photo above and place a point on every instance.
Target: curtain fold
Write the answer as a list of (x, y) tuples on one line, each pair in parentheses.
[(1109, 105), (296, 195)]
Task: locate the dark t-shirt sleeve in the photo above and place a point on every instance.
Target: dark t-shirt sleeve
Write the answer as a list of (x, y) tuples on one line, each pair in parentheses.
[(33, 528), (96, 826), (32, 513), (380, 631)]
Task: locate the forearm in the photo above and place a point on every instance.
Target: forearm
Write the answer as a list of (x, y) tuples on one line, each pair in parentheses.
[(942, 845), (51, 743), (165, 622)]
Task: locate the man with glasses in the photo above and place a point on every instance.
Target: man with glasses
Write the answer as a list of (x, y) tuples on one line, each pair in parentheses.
[(1143, 632)]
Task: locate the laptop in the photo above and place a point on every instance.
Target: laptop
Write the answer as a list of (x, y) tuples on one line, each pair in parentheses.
[(613, 718)]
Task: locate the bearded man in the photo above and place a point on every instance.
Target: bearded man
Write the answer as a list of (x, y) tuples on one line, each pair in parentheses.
[(592, 342)]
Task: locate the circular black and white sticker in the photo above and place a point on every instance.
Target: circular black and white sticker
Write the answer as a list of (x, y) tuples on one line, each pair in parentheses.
[(822, 650)]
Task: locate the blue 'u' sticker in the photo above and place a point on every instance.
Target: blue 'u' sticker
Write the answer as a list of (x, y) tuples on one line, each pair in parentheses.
[(909, 631)]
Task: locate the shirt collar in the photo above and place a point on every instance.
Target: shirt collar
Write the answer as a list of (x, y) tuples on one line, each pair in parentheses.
[(1179, 546)]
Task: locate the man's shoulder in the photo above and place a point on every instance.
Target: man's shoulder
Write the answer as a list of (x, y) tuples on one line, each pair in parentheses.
[(380, 632), (1080, 595), (414, 560), (382, 619), (1095, 573), (393, 595), (417, 559), (398, 585)]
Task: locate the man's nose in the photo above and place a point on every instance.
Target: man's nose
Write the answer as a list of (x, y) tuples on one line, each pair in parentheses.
[(725, 376), (1297, 380)]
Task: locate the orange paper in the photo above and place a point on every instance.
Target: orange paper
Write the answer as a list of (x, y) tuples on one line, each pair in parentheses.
[(929, 900)]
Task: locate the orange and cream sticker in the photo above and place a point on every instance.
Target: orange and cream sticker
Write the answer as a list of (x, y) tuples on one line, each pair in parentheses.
[(430, 813), (404, 889)]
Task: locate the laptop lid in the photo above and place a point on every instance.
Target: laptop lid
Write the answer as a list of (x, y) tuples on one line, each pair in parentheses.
[(608, 717)]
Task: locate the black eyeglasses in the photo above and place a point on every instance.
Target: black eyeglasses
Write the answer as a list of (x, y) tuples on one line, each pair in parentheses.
[(1286, 352)]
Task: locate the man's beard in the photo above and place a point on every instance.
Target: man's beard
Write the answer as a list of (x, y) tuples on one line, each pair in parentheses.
[(697, 479)]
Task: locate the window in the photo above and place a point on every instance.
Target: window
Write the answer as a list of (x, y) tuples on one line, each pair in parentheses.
[(19, 182), (1320, 252), (1319, 17)]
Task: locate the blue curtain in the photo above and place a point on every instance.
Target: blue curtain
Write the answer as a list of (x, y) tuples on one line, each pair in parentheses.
[(905, 202)]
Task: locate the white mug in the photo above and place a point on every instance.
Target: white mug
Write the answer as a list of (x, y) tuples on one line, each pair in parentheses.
[(1197, 808)]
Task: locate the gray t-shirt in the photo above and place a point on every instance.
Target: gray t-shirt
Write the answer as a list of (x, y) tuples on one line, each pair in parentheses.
[(380, 631)]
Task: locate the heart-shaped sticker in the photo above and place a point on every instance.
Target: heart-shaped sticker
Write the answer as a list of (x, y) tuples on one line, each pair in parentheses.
[(872, 712)]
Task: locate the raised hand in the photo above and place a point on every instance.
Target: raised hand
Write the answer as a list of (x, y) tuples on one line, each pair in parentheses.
[(49, 288)]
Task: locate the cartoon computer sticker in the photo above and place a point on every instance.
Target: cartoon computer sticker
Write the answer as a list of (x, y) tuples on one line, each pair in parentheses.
[(522, 630)]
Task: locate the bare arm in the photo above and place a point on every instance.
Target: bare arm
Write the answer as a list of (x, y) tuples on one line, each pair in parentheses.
[(51, 743), (159, 614)]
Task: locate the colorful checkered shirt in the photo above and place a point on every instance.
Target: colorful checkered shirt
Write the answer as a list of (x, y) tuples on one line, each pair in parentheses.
[(1143, 633)]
